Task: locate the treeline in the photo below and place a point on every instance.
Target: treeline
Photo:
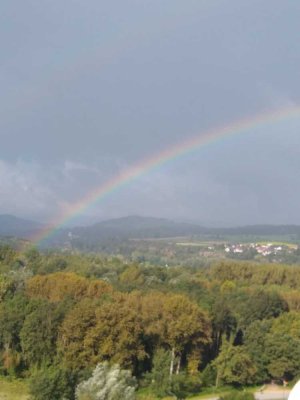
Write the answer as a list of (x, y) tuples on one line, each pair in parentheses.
[(178, 330)]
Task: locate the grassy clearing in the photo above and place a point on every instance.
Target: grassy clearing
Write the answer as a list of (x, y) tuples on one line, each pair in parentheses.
[(13, 390), (191, 244), (145, 394), (148, 396), (212, 393)]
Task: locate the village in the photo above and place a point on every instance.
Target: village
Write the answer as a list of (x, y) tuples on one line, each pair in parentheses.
[(268, 250), (263, 249)]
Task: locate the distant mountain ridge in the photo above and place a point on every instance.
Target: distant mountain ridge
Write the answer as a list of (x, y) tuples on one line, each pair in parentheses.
[(138, 227), (134, 227), (111, 232), (18, 227), (162, 227), (261, 230)]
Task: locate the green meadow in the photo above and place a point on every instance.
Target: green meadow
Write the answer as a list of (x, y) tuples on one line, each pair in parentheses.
[(13, 390)]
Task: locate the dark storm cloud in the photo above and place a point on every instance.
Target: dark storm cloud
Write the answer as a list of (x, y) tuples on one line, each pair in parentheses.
[(89, 89)]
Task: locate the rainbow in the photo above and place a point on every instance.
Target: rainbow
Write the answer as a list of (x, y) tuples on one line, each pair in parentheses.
[(132, 173)]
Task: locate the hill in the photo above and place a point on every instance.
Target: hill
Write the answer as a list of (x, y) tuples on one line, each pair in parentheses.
[(261, 230), (140, 227), (18, 227), (112, 231)]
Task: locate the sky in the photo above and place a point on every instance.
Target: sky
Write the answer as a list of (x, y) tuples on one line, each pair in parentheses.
[(90, 88)]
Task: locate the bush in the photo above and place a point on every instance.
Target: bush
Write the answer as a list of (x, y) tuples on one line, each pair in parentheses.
[(184, 385), (107, 383), (238, 396), (52, 383), (209, 376)]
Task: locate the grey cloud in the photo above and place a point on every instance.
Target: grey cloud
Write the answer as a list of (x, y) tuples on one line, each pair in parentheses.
[(23, 191), (90, 88)]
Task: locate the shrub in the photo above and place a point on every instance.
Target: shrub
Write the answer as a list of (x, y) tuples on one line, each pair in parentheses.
[(52, 383), (107, 383), (238, 396)]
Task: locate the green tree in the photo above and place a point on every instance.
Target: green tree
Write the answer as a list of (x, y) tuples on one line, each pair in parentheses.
[(33, 259), (52, 383), (223, 322), (7, 287), (261, 304), (234, 365), (7, 255), (287, 324), (12, 316), (160, 373), (283, 355), (39, 332), (255, 342)]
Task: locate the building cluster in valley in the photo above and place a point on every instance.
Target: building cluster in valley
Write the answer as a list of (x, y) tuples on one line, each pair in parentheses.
[(265, 249)]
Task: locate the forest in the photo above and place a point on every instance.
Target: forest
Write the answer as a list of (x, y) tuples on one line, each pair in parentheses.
[(167, 330)]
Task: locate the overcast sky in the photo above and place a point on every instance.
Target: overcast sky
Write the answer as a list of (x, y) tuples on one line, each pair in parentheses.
[(89, 88)]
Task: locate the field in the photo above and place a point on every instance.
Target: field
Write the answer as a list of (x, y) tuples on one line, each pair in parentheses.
[(13, 390)]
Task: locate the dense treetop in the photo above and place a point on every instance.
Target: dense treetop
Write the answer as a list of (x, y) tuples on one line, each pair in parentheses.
[(232, 323)]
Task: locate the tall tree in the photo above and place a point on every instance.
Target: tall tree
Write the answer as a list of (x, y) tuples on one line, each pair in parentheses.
[(177, 323), (72, 333), (12, 316), (39, 333), (118, 333)]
